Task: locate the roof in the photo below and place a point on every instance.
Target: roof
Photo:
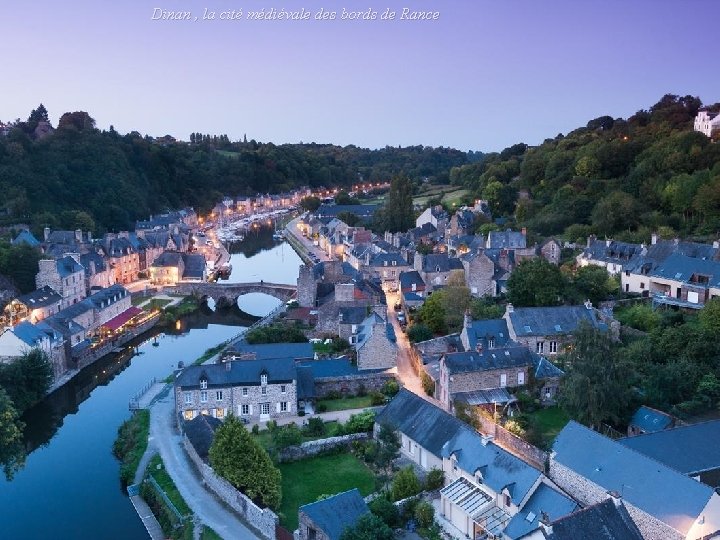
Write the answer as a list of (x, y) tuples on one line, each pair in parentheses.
[(506, 239), (166, 259), (610, 251), (305, 382), (654, 488), (387, 259), (544, 500), (238, 373), (420, 420), (687, 449), (352, 314), (119, 320), (602, 521), (548, 321), (679, 267), (332, 367), (650, 420), (334, 514), (482, 331), (499, 468), (194, 265), (545, 369), (440, 262), (92, 259), (200, 431), (29, 333), (66, 266), (108, 296), (408, 279), (44, 296), (489, 359), (26, 237), (265, 351), (360, 210), (484, 397)]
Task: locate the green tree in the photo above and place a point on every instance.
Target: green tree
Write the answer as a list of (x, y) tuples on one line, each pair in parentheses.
[(536, 283), (12, 452), (593, 283), (383, 508), (288, 435), (425, 514), (344, 198), (20, 264), (455, 300), (238, 457), (419, 332), (709, 316), (432, 313), (27, 379), (596, 388), (614, 213), (397, 214), (310, 203), (368, 527), (405, 484)]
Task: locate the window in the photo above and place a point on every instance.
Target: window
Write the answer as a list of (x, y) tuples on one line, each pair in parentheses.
[(283, 406), (508, 500), (503, 380), (203, 396), (521, 377), (540, 346), (263, 378), (203, 384), (245, 409), (245, 392), (220, 413), (219, 395), (189, 415), (491, 343), (553, 346), (263, 390), (188, 398), (642, 284), (264, 408), (283, 389)]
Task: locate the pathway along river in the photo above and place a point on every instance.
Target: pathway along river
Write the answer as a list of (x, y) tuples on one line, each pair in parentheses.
[(69, 488)]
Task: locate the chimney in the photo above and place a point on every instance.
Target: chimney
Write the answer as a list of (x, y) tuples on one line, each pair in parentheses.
[(716, 244), (607, 242), (524, 231), (509, 308), (485, 439), (653, 238), (479, 347), (544, 523), (46, 233), (591, 239), (89, 236), (467, 319), (616, 498), (588, 304), (78, 236)]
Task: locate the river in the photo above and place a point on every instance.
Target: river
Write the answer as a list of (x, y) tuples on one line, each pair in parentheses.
[(69, 487)]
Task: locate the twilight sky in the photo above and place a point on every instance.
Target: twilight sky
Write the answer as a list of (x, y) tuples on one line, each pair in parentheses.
[(485, 75)]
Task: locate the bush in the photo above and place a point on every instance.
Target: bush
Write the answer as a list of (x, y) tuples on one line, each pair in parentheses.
[(424, 514), (428, 384), (271, 425), (376, 398), (255, 429), (315, 427), (405, 484), (434, 480), (131, 443), (385, 510), (285, 436), (321, 407), (301, 412), (390, 388), (360, 422)]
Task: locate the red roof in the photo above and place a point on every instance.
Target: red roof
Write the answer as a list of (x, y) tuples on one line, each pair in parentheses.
[(117, 321)]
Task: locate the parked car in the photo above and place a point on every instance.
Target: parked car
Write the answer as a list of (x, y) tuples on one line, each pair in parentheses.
[(397, 306)]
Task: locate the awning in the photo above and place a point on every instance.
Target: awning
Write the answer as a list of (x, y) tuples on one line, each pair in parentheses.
[(471, 499), (500, 396), (119, 320)]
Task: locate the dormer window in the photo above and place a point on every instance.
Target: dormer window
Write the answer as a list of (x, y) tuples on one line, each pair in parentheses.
[(203, 383), (478, 477), (263, 378)]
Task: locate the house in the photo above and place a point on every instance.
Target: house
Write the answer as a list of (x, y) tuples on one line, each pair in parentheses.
[(550, 250), (691, 450), (98, 274), (708, 123), (350, 318), (435, 216), (549, 330), (412, 282), (461, 222), (649, 420), (66, 276), (121, 256), (328, 518), (364, 211), (489, 489), (480, 273), (607, 520), (27, 238), (385, 266), (56, 244), (608, 254), (375, 343), (436, 268), (33, 307), (173, 267), (255, 390), (507, 239), (15, 342), (664, 503)]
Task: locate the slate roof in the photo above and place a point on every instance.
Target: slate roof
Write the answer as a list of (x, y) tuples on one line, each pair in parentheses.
[(92, 257), (26, 237), (552, 321), (506, 239), (386, 260), (360, 210), (500, 469), (332, 367), (440, 262), (660, 251), (194, 265), (482, 331), (689, 449), (66, 266), (489, 359), (545, 369), (602, 521), (241, 372), (29, 333), (266, 351), (334, 514), (679, 267), (167, 259), (305, 382), (106, 297), (610, 251), (407, 279), (200, 431), (412, 297), (484, 397), (352, 315), (420, 420), (61, 324), (650, 420), (544, 499), (44, 296), (658, 490)]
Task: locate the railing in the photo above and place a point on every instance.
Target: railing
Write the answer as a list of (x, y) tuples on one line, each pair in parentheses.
[(167, 501), (135, 400)]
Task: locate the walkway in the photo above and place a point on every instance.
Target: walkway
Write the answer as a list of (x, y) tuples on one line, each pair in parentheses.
[(149, 521), (188, 482)]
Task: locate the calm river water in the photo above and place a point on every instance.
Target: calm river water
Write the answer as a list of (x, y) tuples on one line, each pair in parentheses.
[(69, 487)]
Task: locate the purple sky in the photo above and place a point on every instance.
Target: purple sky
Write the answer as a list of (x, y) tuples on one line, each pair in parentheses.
[(486, 75)]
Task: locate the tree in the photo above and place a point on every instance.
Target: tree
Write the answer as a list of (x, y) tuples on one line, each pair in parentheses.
[(27, 379), (349, 218), (405, 484), (20, 264), (238, 457), (593, 283), (425, 514), (536, 283), (343, 198), (596, 388), (710, 316), (78, 120), (455, 300), (12, 452), (310, 203), (368, 527), (288, 435), (383, 508), (397, 215), (432, 313), (616, 212), (419, 332)]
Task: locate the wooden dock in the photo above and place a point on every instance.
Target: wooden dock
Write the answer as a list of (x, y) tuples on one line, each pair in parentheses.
[(143, 511)]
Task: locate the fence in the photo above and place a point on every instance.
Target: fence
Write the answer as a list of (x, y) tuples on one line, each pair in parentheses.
[(166, 500), (135, 400)]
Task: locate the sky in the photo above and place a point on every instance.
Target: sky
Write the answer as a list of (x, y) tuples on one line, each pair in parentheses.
[(484, 75)]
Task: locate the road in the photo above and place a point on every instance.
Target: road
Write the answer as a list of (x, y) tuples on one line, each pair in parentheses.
[(203, 504), (306, 243)]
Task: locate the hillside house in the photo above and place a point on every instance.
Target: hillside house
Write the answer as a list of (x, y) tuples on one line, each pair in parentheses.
[(66, 276), (708, 123)]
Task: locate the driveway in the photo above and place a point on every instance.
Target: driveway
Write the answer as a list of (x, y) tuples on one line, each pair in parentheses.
[(203, 503)]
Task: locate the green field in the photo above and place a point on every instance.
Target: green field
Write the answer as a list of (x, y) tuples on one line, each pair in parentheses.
[(163, 479), (304, 481), (549, 422), (346, 403)]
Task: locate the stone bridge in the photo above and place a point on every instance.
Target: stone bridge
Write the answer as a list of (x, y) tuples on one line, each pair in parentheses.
[(228, 293)]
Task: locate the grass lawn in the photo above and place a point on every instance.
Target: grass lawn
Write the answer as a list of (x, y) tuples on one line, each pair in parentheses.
[(346, 403), (304, 481), (136, 300), (549, 422), (265, 439), (208, 534), (163, 479)]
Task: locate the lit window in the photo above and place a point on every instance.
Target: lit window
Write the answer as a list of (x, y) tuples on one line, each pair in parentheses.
[(219, 413), (189, 415)]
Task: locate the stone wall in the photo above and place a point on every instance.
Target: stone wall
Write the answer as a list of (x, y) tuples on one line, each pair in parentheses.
[(306, 287), (587, 493), (263, 520), (378, 352), (512, 443), (320, 446), (351, 384)]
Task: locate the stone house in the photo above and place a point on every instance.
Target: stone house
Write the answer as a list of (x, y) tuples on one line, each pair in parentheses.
[(33, 307), (412, 282), (254, 390), (172, 267), (663, 503), (480, 274), (436, 216), (121, 256), (98, 275), (328, 518), (461, 222), (608, 254), (375, 343), (436, 268), (386, 267), (55, 244), (66, 276), (350, 319), (507, 239), (550, 250)]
